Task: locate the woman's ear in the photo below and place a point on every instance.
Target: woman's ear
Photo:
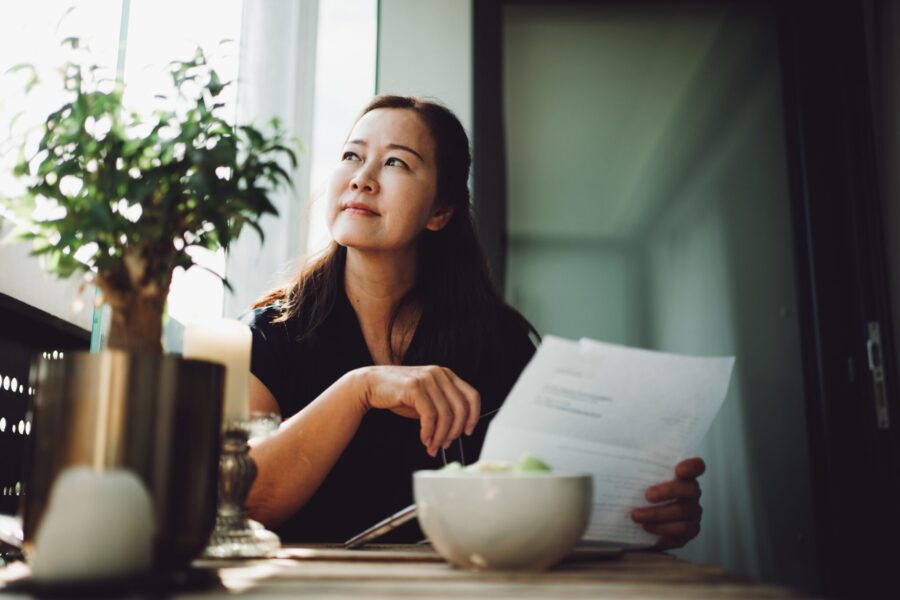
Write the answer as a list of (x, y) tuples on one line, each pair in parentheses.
[(440, 218)]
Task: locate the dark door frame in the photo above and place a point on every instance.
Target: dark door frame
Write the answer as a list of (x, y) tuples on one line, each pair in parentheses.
[(839, 256), (842, 279)]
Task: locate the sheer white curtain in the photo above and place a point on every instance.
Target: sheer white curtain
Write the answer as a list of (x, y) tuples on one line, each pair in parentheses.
[(277, 77)]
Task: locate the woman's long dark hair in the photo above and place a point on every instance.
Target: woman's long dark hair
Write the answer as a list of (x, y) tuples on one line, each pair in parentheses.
[(452, 285)]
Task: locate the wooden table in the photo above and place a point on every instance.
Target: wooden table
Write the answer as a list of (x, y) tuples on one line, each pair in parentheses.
[(417, 572)]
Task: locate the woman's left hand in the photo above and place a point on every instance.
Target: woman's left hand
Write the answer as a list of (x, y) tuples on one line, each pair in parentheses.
[(678, 521)]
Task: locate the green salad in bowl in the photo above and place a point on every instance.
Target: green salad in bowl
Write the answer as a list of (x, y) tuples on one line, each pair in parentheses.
[(497, 515), (527, 464)]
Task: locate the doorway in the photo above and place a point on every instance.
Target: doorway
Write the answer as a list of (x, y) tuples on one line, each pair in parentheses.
[(648, 204)]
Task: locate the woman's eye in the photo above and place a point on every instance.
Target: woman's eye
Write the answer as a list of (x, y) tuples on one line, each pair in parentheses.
[(396, 162), (350, 156)]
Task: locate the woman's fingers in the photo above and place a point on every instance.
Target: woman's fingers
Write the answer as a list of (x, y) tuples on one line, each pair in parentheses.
[(442, 408), (678, 520), (427, 419), (690, 468), (472, 398), (687, 511), (665, 542), (445, 404), (674, 490), (458, 404), (685, 530), (675, 524)]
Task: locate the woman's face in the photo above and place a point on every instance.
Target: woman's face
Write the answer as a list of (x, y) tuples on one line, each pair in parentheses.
[(381, 196)]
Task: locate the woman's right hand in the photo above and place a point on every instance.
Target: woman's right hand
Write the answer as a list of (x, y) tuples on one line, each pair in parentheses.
[(444, 404)]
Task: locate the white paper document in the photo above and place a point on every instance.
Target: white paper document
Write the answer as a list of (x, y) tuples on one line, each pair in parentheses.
[(624, 415)]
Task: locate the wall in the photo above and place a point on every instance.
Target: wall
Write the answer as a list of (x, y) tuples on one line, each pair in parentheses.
[(722, 282), (648, 204), (425, 48), (586, 99)]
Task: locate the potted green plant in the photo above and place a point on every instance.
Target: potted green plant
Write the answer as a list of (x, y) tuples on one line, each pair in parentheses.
[(128, 195), (133, 192)]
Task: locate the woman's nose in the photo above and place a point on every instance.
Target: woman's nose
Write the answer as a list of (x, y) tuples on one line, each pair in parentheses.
[(364, 182)]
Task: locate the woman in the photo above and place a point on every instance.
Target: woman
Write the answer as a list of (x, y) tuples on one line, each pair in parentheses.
[(392, 350)]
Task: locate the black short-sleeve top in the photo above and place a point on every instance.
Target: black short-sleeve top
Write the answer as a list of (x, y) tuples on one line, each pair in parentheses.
[(373, 477)]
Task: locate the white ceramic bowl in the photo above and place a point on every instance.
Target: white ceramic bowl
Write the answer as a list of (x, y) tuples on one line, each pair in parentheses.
[(502, 521)]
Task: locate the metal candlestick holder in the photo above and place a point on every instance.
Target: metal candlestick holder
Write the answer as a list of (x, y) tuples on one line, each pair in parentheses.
[(235, 535)]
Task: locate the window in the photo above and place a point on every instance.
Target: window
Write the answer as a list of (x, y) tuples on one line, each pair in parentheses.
[(134, 40), (156, 33), (131, 39), (345, 82)]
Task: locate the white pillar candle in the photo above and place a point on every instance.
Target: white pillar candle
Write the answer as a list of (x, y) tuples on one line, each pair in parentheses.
[(98, 525), (227, 342)]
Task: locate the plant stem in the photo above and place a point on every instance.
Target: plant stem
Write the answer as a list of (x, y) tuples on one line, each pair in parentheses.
[(136, 324)]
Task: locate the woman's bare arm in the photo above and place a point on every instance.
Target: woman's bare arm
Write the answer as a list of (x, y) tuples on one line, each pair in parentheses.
[(261, 399), (293, 462)]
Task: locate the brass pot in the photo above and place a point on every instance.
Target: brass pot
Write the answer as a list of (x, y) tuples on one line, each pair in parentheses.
[(156, 415)]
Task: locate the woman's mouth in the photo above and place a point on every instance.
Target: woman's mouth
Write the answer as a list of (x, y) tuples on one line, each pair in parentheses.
[(358, 208)]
